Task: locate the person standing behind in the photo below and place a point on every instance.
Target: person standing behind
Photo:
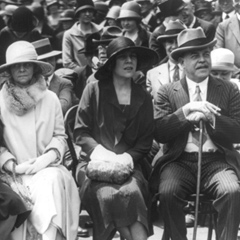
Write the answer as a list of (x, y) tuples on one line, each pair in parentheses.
[(178, 109), (62, 87), (74, 38), (170, 71), (20, 27), (130, 19)]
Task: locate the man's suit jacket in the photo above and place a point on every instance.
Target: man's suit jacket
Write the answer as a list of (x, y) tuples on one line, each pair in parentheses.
[(157, 77), (172, 128), (208, 28), (63, 88), (228, 36)]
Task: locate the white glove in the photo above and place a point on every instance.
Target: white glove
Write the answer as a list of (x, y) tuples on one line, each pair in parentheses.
[(42, 162), (23, 167), (125, 159), (100, 153)]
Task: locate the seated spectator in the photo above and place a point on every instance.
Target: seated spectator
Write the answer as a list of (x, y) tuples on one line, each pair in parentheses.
[(20, 27), (67, 20), (74, 38), (62, 87), (33, 115), (115, 124), (203, 11), (223, 65), (170, 71), (112, 15), (8, 12), (130, 19)]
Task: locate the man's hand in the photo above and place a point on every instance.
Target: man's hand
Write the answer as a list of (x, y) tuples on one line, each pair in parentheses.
[(205, 107), (195, 117)]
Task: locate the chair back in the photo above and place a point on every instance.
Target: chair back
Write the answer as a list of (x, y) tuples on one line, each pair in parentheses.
[(70, 159)]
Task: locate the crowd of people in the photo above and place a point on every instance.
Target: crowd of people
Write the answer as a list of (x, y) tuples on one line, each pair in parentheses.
[(144, 74)]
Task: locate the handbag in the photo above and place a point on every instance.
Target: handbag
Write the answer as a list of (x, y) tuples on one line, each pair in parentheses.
[(108, 171), (17, 185)]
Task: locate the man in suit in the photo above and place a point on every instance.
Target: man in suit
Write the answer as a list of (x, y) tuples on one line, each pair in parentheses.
[(171, 70), (179, 108), (184, 11), (62, 87), (228, 35)]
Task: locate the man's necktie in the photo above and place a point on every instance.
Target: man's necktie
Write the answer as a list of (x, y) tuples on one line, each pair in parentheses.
[(196, 131), (176, 73), (227, 16)]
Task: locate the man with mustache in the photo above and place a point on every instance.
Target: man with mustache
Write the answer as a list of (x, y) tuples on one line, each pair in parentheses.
[(178, 109)]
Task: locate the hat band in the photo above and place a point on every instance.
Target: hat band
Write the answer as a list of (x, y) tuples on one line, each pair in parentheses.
[(172, 31), (43, 49), (195, 43), (128, 14), (223, 64)]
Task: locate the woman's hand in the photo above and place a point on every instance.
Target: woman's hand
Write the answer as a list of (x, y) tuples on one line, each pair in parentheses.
[(23, 167), (41, 162)]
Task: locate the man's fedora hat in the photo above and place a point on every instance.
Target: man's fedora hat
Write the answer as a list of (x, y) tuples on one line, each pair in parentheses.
[(222, 59), (44, 49), (23, 20), (84, 4), (145, 57), (207, 6), (67, 15), (191, 39), (130, 10), (170, 7), (173, 28), (24, 52), (90, 47), (108, 34)]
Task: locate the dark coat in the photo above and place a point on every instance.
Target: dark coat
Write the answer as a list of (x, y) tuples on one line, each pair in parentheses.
[(172, 128), (7, 37), (208, 28), (64, 90), (102, 121)]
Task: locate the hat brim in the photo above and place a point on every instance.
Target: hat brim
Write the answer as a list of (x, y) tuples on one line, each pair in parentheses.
[(177, 53), (83, 8), (47, 69), (143, 54), (164, 37), (50, 54), (103, 41)]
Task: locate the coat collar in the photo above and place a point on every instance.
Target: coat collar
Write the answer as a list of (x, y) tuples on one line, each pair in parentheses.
[(75, 29)]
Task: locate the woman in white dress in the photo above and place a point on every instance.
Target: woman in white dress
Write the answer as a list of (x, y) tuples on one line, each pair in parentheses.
[(35, 145)]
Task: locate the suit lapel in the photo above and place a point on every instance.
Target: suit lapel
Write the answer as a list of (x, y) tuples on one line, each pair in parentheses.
[(234, 26), (214, 91), (181, 96), (163, 74)]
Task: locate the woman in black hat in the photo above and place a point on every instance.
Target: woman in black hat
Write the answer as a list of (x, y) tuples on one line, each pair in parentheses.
[(20, 27), (114, 125)]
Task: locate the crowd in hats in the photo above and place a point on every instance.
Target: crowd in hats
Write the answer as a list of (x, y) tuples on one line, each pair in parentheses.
[(137, 70)]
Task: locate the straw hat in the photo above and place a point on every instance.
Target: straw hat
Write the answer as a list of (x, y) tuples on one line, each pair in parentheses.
[(23, 52), (44, 49), (173, 28), (222, 59), (191, 39), (145, 56), (130, 10), (108, 34)]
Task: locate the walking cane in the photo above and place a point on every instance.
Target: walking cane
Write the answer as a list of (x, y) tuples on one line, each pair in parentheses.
[(198, 179)]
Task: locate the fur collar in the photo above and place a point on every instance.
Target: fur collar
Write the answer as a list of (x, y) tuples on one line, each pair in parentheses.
[(20, 100)]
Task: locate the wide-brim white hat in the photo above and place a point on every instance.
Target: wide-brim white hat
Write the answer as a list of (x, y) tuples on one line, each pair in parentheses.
[(24, 52)]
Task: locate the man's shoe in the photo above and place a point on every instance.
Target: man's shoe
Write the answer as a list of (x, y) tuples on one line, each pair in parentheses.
[(189, 219), (82, 232)]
